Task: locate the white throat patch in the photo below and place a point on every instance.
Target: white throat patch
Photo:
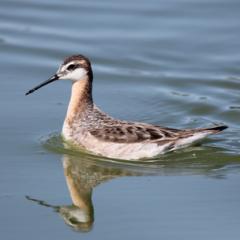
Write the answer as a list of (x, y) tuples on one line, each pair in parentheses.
[(75, 75)]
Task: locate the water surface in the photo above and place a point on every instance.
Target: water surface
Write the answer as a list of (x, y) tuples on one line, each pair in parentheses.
[(174, 63)]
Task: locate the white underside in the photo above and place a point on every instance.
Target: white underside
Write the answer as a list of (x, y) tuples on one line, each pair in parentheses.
[(126, 151), (185, 142)]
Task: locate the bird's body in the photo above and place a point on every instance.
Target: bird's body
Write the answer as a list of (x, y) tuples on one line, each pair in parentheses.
[(87, 126)]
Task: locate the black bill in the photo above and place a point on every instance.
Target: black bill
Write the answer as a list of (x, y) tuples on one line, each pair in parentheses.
[(52, 79)]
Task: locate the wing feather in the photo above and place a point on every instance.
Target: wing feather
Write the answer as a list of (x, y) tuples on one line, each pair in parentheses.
[(134, 133)]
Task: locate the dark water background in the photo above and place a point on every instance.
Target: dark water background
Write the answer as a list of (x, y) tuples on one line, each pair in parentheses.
[(174, 63)]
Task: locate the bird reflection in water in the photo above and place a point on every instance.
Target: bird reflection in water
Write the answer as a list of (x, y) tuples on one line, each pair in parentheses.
[(82, 176)]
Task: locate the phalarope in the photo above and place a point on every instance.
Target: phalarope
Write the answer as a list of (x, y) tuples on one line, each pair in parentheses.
[(87, 126)]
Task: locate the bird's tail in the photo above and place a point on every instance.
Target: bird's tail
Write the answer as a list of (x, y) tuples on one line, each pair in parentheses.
[(213, 130)]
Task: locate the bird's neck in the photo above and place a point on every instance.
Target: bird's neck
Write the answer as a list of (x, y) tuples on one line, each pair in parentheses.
[(80, 101)]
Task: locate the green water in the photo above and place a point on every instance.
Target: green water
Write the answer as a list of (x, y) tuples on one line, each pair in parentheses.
[(173, 63)]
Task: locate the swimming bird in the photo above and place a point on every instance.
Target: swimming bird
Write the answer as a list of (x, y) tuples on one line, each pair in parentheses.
[(90, 128)]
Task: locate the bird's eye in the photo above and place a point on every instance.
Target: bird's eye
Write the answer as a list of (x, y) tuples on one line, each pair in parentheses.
[(71, 67)]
